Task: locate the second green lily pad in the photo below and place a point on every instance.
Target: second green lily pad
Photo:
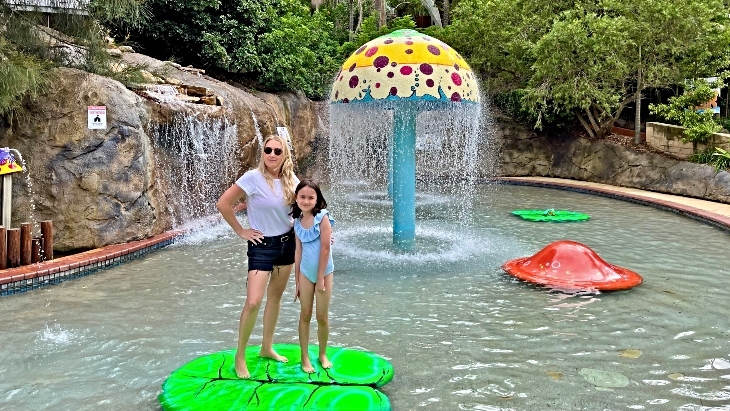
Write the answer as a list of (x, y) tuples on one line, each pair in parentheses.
[(551, 215)]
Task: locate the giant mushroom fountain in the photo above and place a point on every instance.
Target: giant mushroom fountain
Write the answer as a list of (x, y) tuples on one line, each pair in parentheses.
[(405, 73)]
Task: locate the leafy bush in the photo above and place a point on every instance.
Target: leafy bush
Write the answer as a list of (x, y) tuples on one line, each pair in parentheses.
[(717, 157), (299, 54), (369, 30), (702, 157), (721, 159), (699, 124)]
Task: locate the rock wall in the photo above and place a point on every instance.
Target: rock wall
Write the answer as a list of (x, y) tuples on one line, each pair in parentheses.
[(102, 187), (525, 152)]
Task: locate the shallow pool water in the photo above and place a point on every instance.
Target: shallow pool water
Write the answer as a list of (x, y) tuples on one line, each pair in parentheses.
[(461, 334)]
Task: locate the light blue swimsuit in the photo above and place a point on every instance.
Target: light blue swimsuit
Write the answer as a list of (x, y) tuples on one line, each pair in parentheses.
[(311, 246)]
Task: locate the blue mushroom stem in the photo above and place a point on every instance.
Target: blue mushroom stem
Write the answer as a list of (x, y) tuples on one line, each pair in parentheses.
[(404, 175)]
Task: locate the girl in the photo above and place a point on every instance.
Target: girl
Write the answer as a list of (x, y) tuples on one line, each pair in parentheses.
[(312, 267)]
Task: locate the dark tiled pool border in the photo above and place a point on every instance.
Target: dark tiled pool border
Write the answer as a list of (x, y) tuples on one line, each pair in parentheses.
[(29, 277), (704, 216)]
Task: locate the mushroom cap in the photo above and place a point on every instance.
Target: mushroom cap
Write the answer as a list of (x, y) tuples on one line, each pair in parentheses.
[(405, 65), (7, 163), (571, 265)]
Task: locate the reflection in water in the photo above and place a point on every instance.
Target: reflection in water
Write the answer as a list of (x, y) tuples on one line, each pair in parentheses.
[(461, 334)]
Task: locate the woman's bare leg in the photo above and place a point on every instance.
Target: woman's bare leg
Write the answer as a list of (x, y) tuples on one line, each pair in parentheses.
[(306, 299), (277, 285), (255, 287), (323, 322)]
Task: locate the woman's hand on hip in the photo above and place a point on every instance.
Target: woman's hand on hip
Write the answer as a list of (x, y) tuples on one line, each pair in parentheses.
[(252, 235)]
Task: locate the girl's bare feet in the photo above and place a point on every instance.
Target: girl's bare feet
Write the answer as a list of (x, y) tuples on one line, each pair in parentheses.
[(325, 362), (270, 353), (241, 367), (307, 365)]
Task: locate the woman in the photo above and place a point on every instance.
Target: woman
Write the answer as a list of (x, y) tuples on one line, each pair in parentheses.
[(268, 191)]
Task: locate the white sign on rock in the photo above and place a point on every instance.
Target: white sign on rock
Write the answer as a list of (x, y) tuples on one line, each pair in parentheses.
[(97, 117)]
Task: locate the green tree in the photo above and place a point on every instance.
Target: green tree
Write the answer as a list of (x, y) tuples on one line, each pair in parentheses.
[(588, 58), (699, 124), (276, 44), (299, 54)]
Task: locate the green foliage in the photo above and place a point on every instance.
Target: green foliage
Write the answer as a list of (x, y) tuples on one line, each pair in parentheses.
[(299, 54), (721, 159), (20, 75), (278, 44), (588, 57), (699, 124), (716, 157), (31, 44), (369, 31), (702, 157)]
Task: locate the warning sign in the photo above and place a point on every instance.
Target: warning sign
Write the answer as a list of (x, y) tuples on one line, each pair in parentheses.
[(97, 117)]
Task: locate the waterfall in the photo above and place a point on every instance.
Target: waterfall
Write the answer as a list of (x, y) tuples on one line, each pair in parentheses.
[(197, 157), (163, 93), (448, 140), (259, 136)]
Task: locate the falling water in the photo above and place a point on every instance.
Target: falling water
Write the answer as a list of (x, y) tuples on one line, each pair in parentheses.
[(257, 129), (29, 190), (447, 154), (196, 156), (163, 93)]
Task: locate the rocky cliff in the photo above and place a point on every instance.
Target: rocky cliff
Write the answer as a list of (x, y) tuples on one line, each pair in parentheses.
[(108, 186)]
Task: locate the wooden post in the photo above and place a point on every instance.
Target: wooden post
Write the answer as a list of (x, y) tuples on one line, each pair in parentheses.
[(47, 234), (36, 254), (7, 199), (3, 249), (13, 247), (26, 243)]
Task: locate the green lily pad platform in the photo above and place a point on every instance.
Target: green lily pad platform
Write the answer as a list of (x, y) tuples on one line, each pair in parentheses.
[(551, 215), (209, 383)]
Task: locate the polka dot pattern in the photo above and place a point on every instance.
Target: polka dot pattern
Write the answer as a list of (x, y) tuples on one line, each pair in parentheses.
[(405, 64)]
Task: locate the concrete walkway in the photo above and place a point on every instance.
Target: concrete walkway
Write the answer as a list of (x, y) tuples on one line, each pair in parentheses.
[(717, 214)]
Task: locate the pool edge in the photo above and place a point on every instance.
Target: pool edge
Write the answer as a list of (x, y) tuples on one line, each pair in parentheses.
[(30, 277)]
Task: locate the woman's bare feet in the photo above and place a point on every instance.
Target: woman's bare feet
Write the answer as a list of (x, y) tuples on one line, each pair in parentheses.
[(270, 353), (307, 365), (242, 368), (325, 362)]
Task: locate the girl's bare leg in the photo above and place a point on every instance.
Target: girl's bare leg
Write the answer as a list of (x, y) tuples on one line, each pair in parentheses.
[(323, 322), (255, 287), (306, 299), (277, 285)]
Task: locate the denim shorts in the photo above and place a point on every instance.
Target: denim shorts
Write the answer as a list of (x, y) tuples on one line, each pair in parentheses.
[(273, 251)]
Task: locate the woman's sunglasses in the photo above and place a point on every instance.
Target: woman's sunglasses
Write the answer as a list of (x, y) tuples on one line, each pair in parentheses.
[(276, 151)]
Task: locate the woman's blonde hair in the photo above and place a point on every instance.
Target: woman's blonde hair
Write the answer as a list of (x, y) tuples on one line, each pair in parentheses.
[(286, 171)]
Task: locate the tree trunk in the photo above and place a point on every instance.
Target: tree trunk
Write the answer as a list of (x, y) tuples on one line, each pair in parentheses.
[(447, 12), (359, 16), (433, 11), (637, 102), (380, 8), (585, 124), (351, 28)]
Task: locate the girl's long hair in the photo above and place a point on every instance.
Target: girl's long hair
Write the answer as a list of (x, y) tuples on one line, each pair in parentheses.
[(321, 204), (286, 172)]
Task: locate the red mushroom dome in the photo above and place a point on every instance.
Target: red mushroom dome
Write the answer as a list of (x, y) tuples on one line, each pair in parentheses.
[(571, 265)]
